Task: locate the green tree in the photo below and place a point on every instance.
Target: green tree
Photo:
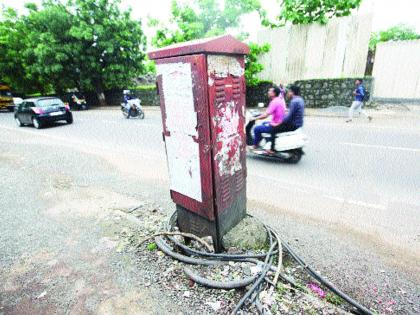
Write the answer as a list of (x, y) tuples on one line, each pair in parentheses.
[(310, 11), (397, 32), (252, 66), (206, 18), (89, 44), (48, 50), (202, 18), (12, 60), (112, 45)]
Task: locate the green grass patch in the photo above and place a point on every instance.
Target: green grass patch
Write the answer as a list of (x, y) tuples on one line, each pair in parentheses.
[(334, 299), (152, 246), (281, 289)]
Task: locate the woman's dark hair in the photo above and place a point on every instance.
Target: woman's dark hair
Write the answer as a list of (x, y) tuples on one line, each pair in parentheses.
[(360, 80), (276, 90), (295, 89)]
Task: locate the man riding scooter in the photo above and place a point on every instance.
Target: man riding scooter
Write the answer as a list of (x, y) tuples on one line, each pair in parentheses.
[(276, 109), (127, 97), (294, 118)]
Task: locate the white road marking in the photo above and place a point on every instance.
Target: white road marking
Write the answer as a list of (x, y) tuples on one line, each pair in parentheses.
[(334, 198), (142, 124), (377, 146), (356, 202), (366, 204), (286, 184), (368, 126), (311, 188)]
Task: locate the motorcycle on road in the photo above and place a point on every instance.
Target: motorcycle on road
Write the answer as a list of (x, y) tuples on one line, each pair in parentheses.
[(136, 109), (289, 145)]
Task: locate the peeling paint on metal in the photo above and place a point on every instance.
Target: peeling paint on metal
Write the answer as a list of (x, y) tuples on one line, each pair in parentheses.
[(181, 122), (229, 141), (226, 120), (222, 66)]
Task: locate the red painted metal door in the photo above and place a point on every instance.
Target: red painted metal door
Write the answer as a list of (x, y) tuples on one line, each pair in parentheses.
[(227, 120), (182, 86)]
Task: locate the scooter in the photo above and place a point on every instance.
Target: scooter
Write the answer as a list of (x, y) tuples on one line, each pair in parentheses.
[(136, 109), (289, 145), (81, 104)]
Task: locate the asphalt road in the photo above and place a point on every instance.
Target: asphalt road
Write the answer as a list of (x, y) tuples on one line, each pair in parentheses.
[(351, 206)]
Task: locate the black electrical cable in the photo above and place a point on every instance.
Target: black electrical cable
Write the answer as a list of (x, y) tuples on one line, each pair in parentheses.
[(257, 303), (329, 285), (167, 250), (362, 309), (260, 279), (195, 252), (227, 285), (268, 262), (274, 269), (189, 260), (192, 251), (267, 265)]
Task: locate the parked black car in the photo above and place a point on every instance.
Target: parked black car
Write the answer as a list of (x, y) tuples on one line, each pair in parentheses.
[(76, 100), (42, 110)]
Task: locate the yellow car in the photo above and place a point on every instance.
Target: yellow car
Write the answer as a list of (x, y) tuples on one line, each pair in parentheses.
[(6, 98)]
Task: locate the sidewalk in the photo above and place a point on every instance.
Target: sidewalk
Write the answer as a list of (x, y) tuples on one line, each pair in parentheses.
[(383, 111)]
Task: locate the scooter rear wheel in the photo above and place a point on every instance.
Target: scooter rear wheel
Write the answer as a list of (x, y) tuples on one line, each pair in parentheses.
[(295, 156)]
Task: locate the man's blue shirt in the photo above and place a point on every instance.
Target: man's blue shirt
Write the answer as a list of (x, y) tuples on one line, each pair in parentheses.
[(360, 93), (296, 112)]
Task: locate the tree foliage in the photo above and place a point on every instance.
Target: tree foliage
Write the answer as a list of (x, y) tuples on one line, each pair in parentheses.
[(13, 63), (202, 18), (206, 18), (310, 11), (252, 66), (89, 44), (397, 32), (47, 49)]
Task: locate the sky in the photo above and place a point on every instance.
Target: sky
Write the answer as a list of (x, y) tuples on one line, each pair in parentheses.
[(386, 13)]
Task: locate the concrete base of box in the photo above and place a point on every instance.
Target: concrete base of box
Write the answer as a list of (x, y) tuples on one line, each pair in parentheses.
[(191, 222)]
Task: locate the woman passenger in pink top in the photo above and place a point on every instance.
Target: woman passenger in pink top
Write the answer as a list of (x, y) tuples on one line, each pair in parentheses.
[(276, 109)]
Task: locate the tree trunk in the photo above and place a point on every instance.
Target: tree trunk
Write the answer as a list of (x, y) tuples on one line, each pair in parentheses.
[(100, 94), (59, 91)]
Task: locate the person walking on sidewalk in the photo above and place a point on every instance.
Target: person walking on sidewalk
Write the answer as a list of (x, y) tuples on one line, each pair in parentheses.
[(359, 95)]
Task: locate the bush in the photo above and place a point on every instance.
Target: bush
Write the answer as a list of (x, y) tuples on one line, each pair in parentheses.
[(145, 87), (257, 92)]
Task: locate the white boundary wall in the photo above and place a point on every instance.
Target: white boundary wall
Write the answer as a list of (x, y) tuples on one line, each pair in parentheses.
[(396, 70), (301, 52)]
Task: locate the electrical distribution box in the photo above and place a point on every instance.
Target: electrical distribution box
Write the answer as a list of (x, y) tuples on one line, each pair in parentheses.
[(201, 86)]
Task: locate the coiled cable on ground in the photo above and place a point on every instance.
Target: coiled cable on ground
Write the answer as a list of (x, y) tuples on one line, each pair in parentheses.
[(186, 259), (198, 257), (228, 285), (257, 283), (325, 282)]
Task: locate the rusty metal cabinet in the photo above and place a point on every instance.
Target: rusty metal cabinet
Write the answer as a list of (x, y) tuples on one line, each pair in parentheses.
[(201, 86)]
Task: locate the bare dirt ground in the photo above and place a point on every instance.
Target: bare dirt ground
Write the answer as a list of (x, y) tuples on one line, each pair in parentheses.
[(86, 259)]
